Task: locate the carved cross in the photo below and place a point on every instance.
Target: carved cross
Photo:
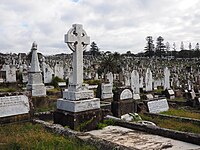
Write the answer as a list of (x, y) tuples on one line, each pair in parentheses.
[(77, 40)]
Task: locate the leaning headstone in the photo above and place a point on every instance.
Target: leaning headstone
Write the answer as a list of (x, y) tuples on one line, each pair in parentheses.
[(14, 108), (35, 83), (157, 106), (78, 104), (123, 102)]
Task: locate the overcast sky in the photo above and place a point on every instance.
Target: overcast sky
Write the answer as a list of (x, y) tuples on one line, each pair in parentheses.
[(115, 25)]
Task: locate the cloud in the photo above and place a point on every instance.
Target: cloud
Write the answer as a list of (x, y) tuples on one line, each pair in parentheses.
[(114, 25)]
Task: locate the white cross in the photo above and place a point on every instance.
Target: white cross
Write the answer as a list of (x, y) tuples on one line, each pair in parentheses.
[(77, 40)]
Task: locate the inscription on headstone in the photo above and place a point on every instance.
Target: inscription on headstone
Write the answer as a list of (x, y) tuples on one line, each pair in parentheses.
[(14, 105), (158, 106)]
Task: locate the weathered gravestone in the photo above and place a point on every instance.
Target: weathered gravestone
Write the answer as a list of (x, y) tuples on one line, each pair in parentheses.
[(35, 84), (148, 80), (135, 82), (123, 102), (47, 73), (169, 93), (166, 78), (10, 73), (78, 105), (14, 108), (104, 91), (157, 106), (109, 77)]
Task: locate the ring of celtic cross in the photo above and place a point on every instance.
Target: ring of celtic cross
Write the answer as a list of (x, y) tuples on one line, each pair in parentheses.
[(76, 37)]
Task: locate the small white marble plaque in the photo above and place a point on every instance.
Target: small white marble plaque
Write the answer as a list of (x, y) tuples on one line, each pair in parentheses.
[(171, 92), (126, 94), (14, 105), (158, 106)]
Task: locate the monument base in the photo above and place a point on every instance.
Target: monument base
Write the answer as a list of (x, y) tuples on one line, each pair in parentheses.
[(78, 95), (79, 105), (122, 107), (16, 118), (80, 121), (37, 89)]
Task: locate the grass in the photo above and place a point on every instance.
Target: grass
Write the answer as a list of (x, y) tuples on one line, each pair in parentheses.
[(182, 113), (172, 124), (7, 90), (29, 136), (181, 99), (105, 123)]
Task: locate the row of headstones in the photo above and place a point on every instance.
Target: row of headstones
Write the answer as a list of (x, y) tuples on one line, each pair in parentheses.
[(9, 72), (136, 82)]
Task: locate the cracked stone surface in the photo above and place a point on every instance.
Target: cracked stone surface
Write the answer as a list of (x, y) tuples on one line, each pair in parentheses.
[(140, 140)]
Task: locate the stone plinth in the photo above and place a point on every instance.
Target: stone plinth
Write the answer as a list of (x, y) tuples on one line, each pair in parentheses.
[(79, 95), (78, 106), (82, 121), (38, 90)]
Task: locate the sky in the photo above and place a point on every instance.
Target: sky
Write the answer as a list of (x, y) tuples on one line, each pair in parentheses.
[(114, 25)]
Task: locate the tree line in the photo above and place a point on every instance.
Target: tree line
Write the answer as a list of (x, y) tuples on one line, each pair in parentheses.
[(163, 50)]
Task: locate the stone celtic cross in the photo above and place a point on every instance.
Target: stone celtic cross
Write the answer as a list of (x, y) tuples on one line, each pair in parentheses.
[(77, 40)]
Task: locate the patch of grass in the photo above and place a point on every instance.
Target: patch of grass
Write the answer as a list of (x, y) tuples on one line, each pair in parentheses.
[(29, 136), (53, 91), (8, 89), (105, 123), (92, 82), (182, 113), (172, 124), (159, 91), (181, 99)]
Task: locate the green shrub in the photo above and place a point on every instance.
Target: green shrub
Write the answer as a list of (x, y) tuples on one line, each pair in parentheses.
[(8, 90), (55, 81)]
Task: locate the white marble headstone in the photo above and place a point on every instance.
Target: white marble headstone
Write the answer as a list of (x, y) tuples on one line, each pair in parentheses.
[(158, 106), (14, 105), (126, 94), (135, 82)]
